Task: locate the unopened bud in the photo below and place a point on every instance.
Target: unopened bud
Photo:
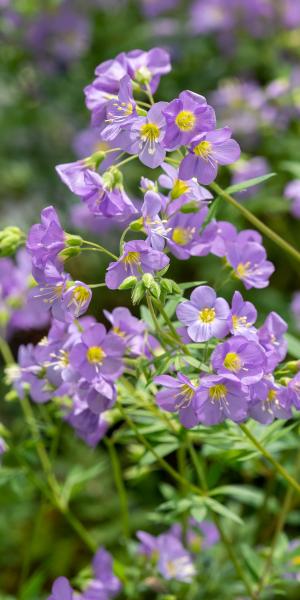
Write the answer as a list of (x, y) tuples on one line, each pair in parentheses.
[(69, 252), (128, 283), (155, 289), (148, 280), (10, 239), (137, 225), (138, 292), (293, 366), (190, 207), (73, 240)]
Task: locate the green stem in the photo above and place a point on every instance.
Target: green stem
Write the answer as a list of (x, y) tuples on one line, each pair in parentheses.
[(125, 161), (163, 463), (257, 222), (6, 352), (99, 248), (290, 480), (159, 331), (117, 472), (149, 94)]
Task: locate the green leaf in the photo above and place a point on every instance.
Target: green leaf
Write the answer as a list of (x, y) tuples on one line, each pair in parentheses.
[(292, 167), (190, 284), (244, 493), (161, 449), (293, 345), (222, 510), (245, 185)]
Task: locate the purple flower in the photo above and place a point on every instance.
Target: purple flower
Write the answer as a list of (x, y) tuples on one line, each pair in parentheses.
[(145, 137), (104, 579), (221, 398), (3, 446), (206, 151), (271, 338), (178, 395), (73, 176), (250, 264), (240, 357), (183, 232), (76, 299), (98, 354), (205, 315), (137, 258), (153, 225), (120, 112), (106, 85), (242, 317), (132, 330), (182, 192), (201, 535), (61, 590), (173, 560), (47, 239), (52, 285), (105, 200), (187, 116), (147, 67), (293, 390), (269, 401)]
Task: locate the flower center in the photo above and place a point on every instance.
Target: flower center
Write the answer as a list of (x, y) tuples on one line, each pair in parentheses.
[(239, 322), (150, 133), (143, 75), (207, 315), (179, 188), (181, 236), (184, 396), (131, 259), (95, 355), (272, 395), (242, 270), (232, 362), (118, 331), (203, 149), (81, 294), (185, 120), (218, 391)]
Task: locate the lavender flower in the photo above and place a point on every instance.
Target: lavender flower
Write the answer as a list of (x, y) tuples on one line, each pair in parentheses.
[(269, 401), (178, 395), (105, 584), (98, 354), (137, 258), (153, 225), (250, 264), (292, 192), (206, 151), (47, 239), (147, 67), (183, 232), (271, 338), (76, 299), (61, 589), (240, 357), (205, 315), (187, 116), (145, 137), (242, 317), (120, 112), (173, 560), (132, 330), (221, 398), (249, 169), (104, 199), (182, 192), (295, 307)]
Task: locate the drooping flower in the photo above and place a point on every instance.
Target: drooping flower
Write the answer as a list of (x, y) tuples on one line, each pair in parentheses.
[(104, 199), (132, 330), (178, 395), (250, 264), (242, 358), (221, 397), (205, 315), (98, 354), (187, 116), (147, 67), (242, 317), (137, 258), (145, 137), (46, 239), (153, 224), (206, 152), (76, 299)]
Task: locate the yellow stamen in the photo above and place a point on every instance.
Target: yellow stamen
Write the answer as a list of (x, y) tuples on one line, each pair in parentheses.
[(218, 391), (181, 236), (207, 315), (179, 188), (150, 133), (132, 258), (232, 362), (81, 294), (203, 149), (242, 270), (95, 355), (185, 120)]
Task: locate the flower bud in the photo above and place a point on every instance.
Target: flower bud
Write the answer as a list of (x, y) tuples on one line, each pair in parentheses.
[(73, 240), (136, 225), (128, 283), (148, 280), (112, 178), (190, 207), (67, 253), (10, 239), (293, 366), (155, 289), (138, 292)]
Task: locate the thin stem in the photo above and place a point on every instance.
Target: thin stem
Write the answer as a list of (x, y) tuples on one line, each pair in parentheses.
[(6, 352), (149, 94), (159, 331), (96, 285), (163, 463), (257, 222), (125, 161), (117, 472), (99, 248), (142, 103), (197, 464), (290, 480)]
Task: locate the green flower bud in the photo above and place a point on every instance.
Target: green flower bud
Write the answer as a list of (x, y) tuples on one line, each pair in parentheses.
[(128, 283), (167, 285), (143, 75), (155, 289), (10, 239), (136, 225), (190, 207), (293, 366), (141, 111), (112, 178), (73, 240), (69, 252), (148, 280), (95, 160), (138, 292)]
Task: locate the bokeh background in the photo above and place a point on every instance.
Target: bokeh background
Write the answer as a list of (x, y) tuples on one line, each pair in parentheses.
[(243, 55)]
